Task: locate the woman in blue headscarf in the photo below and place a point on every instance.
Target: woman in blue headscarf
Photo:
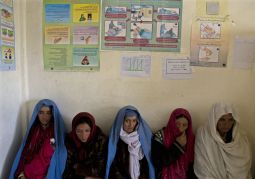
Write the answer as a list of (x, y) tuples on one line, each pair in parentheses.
[(42, 153), (129, 157)]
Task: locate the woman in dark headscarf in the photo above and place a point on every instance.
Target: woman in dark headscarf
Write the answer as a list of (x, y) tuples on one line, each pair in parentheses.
[(173, 147), (129, 148), (86, 146)]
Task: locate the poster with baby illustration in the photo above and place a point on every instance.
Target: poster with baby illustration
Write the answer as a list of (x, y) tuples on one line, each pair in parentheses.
[(209, 42), (209, 53), (210, 30)]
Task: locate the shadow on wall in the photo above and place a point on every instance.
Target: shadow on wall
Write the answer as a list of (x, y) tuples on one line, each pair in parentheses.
[(25, 111), (16, 141)]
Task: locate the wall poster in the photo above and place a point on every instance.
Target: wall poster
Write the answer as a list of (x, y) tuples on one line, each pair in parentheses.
[(71, 35), (209, 44), (7, 38), (137, 25), (210, 34)]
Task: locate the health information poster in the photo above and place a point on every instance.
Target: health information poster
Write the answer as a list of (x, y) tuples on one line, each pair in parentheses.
[(141, 25), (71, 35)]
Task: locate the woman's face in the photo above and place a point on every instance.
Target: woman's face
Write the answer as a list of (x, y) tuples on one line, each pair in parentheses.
[(182, 124), (45, 115), (225, 123), (129, 124), (83, 131)]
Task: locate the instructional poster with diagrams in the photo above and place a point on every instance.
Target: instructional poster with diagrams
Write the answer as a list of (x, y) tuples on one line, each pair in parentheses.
[(210, 35), (137, 25), (71, 35), (7, 39)]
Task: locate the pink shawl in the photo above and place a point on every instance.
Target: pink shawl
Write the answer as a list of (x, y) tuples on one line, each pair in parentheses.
[(178, 169)]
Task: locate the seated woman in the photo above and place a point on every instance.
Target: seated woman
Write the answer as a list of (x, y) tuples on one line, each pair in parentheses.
[(86, 145), (42, 153), (173, 147), (129, 157), (221, 151)]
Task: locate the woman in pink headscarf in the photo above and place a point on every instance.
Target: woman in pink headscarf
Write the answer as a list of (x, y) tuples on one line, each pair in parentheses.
[(173, 147)]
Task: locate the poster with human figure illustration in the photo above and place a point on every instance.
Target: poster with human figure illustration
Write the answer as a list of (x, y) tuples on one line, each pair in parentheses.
[(7, 38), (210, 30), (71, 35), (209, 53), (137, 25), (209, 42), (210, 34), (167, 30), (115, 29)]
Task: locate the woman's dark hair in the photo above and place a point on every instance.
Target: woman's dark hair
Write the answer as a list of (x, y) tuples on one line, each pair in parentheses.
[(180, 116), (52, 112), (84, 120)]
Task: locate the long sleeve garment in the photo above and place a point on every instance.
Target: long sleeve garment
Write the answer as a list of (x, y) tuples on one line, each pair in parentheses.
[(94, 158), (120, 166), (163, 157)]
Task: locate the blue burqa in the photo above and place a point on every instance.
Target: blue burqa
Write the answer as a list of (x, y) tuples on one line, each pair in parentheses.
[(145, 136), (58, 160)]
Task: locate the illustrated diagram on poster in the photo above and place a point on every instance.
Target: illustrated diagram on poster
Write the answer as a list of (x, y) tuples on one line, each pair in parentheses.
[(210, 30), (209, 43), (7, 39), (167, 30), (209, 53), (141, 26), (71, 35), (115, 29), (210, 34)]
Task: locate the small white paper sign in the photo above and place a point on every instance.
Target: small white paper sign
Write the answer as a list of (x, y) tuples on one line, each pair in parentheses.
[(177, 69), (136, 65), (212, 8), (244, 52)]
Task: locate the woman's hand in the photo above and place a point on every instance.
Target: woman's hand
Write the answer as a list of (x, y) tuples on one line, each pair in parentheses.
[(21, 176)]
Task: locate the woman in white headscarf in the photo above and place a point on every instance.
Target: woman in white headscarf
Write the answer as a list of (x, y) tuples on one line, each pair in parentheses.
[(221, 150)]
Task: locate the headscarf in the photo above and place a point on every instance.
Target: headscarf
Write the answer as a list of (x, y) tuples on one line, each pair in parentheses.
[(145, 136), (178, 169), (58, 160), (219, 160), (135, 151), (79, 119)]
